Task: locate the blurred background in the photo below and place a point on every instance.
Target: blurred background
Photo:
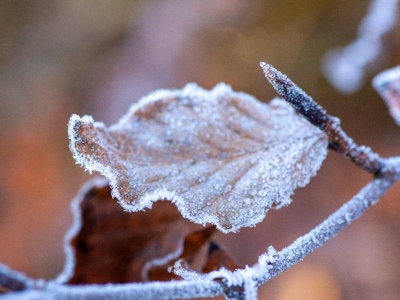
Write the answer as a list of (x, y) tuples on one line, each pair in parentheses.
[(98, 57)]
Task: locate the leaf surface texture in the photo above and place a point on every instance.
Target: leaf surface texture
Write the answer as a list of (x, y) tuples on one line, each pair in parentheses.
[(221, 156)]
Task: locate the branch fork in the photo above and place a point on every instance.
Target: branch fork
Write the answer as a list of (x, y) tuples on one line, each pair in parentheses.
[(243, 283), (339, 141)]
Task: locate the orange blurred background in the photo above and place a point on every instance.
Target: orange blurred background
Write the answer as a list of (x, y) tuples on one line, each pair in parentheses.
[(97, 57)]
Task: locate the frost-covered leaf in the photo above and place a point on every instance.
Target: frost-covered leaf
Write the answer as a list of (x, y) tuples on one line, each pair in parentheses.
[(221, 156), (109, 245), (387, 84)]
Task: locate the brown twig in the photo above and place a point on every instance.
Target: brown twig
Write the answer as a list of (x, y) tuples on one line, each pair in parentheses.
[(339, 141)]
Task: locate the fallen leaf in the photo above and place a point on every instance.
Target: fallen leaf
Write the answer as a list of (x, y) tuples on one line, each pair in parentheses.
[(108, 245), (220, 156)]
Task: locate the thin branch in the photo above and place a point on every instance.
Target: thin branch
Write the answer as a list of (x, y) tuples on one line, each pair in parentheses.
[(260, 272), (340, 219), (272, 263), (339, 141), (144, 291), (14, 281), (269, 264)]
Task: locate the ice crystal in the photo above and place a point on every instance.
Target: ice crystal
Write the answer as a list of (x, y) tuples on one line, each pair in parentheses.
[(221, 156)]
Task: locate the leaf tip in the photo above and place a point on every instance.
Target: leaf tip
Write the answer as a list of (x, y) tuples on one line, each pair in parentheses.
[(77, 131), (75, 123)]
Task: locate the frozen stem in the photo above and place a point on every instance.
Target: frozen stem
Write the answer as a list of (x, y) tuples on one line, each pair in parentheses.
[(14, 281), (241, 283), (235, 285), (340, 219), (339, 141)]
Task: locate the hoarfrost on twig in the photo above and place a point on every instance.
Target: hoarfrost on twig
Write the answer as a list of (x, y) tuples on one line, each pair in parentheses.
[(339, 141), (238, 284)]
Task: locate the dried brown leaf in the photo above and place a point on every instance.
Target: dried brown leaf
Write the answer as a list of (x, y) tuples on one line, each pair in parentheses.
[(110, 245), (218, 258), (221, 156), (159, 269)]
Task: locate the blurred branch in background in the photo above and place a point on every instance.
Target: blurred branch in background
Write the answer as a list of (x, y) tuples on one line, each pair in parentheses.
[(347, 67)]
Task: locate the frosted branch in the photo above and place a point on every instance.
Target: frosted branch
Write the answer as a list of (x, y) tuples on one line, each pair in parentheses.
[(241, 283), (272, 263), (339, 141), (14, 281), (269, 265), (344, 216), (143, 291)]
